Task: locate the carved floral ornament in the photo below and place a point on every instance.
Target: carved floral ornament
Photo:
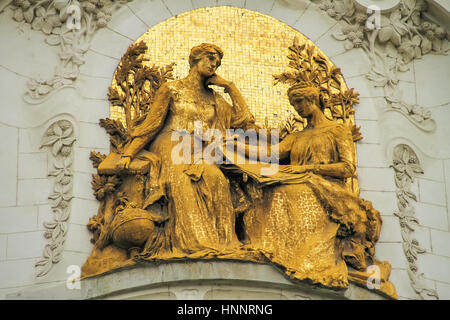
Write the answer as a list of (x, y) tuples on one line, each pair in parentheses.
[(405, 35), (407, 166), (69, 24), (59, 139)]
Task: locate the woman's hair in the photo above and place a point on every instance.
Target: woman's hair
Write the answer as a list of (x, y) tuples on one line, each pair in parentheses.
[(304, 91), (198, 51)]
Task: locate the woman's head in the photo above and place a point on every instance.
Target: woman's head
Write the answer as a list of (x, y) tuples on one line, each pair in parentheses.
[(304, 98), (206, 57)]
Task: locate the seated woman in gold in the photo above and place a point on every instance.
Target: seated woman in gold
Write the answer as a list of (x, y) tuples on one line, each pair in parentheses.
[(201, 219), (307, 221)]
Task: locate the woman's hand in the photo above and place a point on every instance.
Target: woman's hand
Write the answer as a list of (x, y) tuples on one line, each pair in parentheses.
[(217, 80), (123, 163), (295, 169)]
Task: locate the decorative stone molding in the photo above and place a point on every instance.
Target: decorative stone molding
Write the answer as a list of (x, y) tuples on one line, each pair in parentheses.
[(69, 24), (402, 36), (59, 137), (406, 166), (384, 5), (194, 280)]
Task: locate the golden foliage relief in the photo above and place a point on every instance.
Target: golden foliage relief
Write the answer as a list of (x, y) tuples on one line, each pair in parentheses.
[(133, 90), (309, 66), (136, 84)]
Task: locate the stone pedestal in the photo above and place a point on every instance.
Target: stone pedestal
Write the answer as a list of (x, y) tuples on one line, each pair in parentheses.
[(197, 280)]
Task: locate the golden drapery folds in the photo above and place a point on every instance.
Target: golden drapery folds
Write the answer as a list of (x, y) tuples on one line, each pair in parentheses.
[(306, 218)]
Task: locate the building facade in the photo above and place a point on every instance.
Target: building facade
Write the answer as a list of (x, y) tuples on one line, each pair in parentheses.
[(54, 91)]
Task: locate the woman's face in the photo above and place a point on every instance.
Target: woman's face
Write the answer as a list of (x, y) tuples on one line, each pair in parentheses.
[(208, 64), (304, 107)]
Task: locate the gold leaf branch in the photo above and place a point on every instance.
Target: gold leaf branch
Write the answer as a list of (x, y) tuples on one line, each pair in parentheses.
[(136, 83), (310, 67)]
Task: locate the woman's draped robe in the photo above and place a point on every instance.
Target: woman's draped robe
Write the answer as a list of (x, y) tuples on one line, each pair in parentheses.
[(201, 219), (307, 224)]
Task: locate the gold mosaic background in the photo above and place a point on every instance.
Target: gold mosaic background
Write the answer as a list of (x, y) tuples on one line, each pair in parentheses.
[(255, 48)]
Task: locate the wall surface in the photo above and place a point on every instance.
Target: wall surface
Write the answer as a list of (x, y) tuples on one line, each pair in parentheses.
[(43, 122)]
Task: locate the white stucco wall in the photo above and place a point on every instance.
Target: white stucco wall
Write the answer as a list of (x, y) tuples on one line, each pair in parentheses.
[(25, 186)]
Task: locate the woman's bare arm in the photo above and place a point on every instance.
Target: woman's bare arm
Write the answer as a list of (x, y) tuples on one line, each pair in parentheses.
[(284, 148)]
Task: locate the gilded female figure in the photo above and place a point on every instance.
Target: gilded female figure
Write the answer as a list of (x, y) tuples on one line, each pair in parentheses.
[(201, 219), (307, 221)]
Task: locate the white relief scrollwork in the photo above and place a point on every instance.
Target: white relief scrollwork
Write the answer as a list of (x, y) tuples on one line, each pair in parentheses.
[(59, 138), (402, 36), (69, 24), (406, 166)]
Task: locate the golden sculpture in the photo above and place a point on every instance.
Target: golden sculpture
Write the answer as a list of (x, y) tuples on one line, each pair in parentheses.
[(198, 214), (306, 218)]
